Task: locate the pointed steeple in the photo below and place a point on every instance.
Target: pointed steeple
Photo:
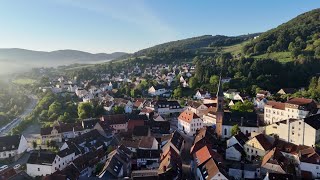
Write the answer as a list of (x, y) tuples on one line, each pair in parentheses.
[(220, 90)]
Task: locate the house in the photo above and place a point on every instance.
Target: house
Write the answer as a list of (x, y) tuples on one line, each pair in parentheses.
[(140, 131), (170, 166), (160, 125), (117, 121), (260, 102), (275, 162), (231, 93), (206, 136), (197, 107), (263, 94), (201, 95), (233, 102), (259, 145), (148, 158), (284, 91), (144, 174), (12, 146), (297, 131), (210, 170), (138, 104), (62, 131), (310, 162), (270, 176), (293, 108), (246, 171), (157, 90), (189, 122), (235, 144), (41, 163), (165, 107), (117, 165), (176, 142), (127, 104), (203, 155)]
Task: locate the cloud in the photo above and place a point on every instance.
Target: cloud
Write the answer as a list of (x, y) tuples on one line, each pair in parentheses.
[(135, 12)]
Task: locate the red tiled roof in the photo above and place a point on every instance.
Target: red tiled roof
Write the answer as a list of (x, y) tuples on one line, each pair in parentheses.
[(276, 105), (299, 101), (187, 116), (134, 123)]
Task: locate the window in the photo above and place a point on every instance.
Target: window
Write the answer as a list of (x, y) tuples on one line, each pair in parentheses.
[(38, 169), (247, 149), (225, 131)]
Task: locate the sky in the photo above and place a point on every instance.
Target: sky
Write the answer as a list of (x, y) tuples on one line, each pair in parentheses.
[(130, 25)]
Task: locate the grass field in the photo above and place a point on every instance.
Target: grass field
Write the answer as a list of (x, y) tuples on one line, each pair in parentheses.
[(24, 81), (235, 49), (283, 57)]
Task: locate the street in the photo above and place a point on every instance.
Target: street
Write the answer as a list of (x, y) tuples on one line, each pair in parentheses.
[(7, 128)]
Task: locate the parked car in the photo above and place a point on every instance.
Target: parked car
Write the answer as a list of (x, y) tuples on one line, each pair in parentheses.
[(17, 166)]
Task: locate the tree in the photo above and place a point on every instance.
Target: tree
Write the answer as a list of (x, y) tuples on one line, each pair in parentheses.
[(177, 93), (85, 110), (235, 129), (214, 80), (193, 82), (118, 109), (245, 106)]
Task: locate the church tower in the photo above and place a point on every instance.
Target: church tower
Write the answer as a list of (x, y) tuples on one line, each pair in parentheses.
[(220, 111)]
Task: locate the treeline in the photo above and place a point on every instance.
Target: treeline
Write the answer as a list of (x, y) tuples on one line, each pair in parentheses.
[(300, 36), (248, 74), (13, 101)]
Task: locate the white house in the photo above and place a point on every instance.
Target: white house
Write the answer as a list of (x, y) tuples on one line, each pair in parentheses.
[(157, 90), (41, 164), (234, 152), (297, 108), (297, 131), (12, 146), (310, 162), (201, 95), (189, 122), (259, 145), (210, 170)]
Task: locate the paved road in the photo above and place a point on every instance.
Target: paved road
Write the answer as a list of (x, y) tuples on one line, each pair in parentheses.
[(15, 122)]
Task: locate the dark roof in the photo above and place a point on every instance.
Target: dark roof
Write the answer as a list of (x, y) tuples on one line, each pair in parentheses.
[(177, 140), (280, 176), (232, 118), (114, 119), (313, 121), (242, 139), (263, 141), (148, 154), (41, 157), (62, 127), (140, 131), (133, 123), (65, 152), (89, 123), (8, 143)]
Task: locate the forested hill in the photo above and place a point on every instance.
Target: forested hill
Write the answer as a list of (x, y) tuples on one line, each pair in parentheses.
[(195, 43), (299, 36)]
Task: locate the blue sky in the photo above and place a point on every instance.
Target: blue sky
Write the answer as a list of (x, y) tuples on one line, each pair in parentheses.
[(131, 25)]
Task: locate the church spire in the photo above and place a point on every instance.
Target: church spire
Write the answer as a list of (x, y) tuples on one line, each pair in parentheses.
[(220, 90)]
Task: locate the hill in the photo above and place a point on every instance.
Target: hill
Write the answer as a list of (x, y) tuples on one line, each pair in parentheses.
[(14, 59), (299, 36), (195, 43)]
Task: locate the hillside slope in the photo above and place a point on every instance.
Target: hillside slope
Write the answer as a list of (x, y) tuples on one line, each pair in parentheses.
[(299, 36)]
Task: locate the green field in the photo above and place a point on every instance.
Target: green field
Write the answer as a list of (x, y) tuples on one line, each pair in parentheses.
[(24, 81), (283, 57), (235, 49)]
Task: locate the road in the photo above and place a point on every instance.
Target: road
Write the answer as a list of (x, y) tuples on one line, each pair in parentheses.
[(14, 123)]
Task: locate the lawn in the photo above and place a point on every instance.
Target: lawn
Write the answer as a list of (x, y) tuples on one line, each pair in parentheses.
[(24, 81), (283, 57)]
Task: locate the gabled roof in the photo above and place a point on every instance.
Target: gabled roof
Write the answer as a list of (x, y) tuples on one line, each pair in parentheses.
[(241, 138), (264, 142), (146, 142), (300, 101), (9, 143), (276, 105), (188, 116), (41, 157), (114, 119), (148, 153), (140, 131)]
